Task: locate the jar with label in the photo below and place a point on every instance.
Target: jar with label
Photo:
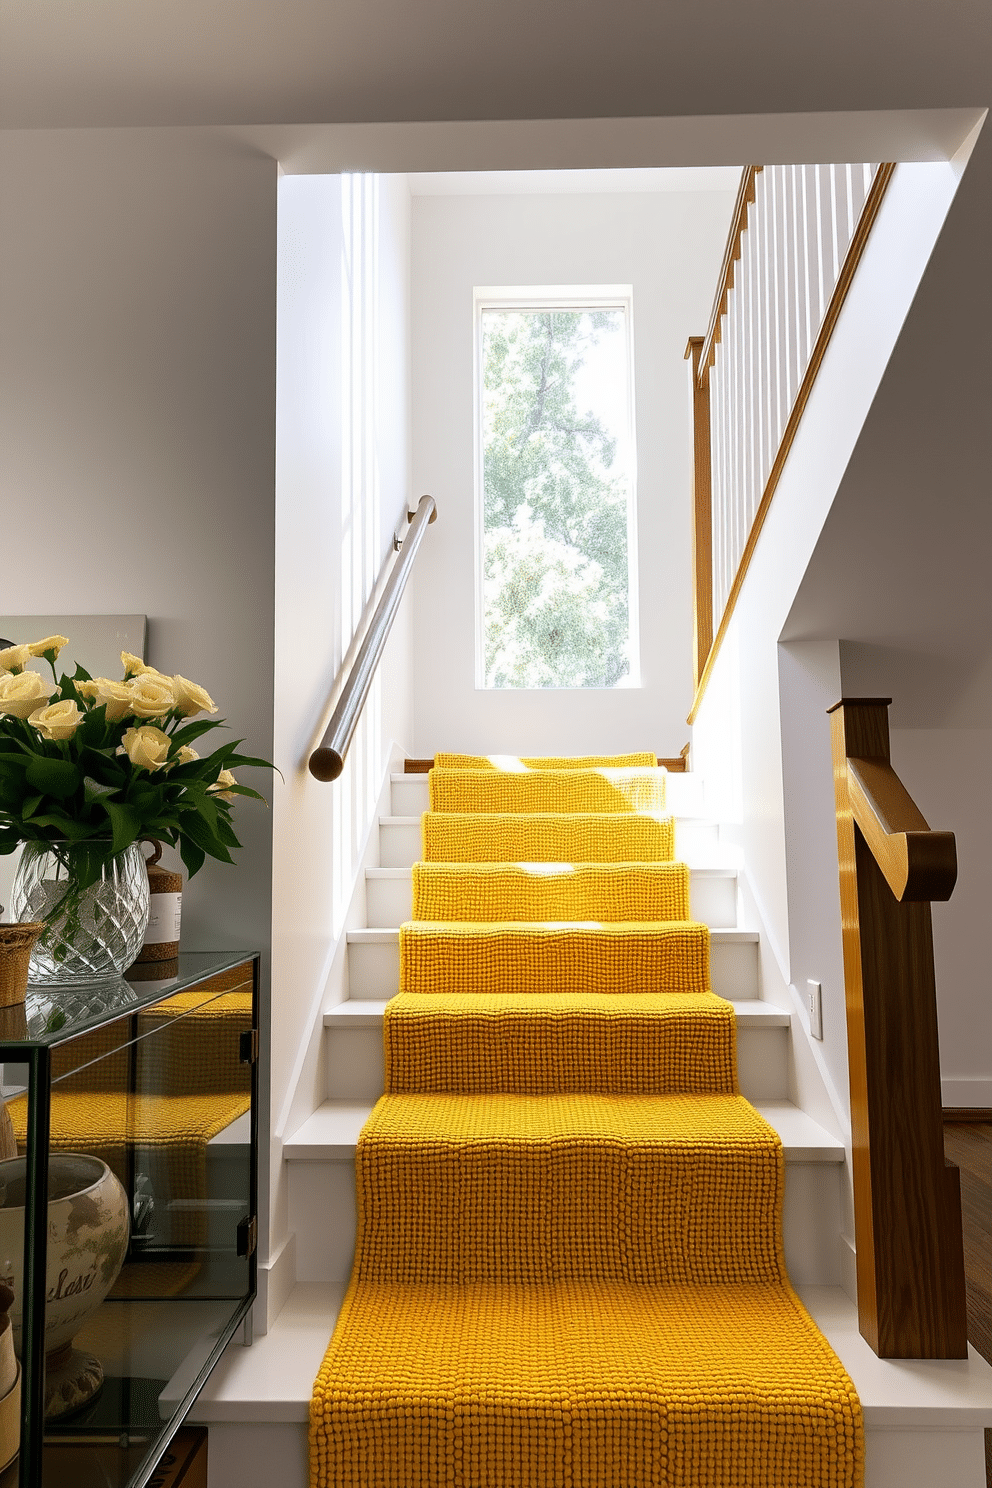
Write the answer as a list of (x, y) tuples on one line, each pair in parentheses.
[(165, 907)]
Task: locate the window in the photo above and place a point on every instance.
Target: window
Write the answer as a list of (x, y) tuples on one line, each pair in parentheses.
[(556, 559)]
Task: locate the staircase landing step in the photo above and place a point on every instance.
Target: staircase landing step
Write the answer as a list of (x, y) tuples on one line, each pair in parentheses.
[(272, 1380), (331, 1133)]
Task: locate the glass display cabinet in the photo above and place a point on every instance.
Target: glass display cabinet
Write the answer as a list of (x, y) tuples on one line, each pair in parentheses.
[(128, 1215)]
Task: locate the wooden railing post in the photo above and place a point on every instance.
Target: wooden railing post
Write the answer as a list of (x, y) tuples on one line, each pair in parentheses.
[(702, 511), (907, 1206)]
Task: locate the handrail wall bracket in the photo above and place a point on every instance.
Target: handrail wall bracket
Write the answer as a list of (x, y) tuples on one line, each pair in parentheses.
[(907, 1202)]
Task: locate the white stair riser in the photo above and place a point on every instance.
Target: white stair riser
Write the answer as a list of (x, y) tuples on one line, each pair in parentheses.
[(354, 1063), (249, 1454), (712, 899), (322, 1211), (763, 1063), (256, 1454), (410, 795), (374, 970), (924, 1458), (400, 844)]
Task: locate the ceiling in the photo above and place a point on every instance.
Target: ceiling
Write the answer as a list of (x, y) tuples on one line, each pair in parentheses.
[(184, 62)]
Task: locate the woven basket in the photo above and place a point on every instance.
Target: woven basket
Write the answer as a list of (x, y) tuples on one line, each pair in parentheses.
[(16, 945)]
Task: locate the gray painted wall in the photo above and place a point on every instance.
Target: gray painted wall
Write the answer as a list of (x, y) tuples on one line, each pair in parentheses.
[(137, 419)]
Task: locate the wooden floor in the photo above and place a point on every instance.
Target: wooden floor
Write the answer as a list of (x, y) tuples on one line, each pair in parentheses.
[(969, 1144)]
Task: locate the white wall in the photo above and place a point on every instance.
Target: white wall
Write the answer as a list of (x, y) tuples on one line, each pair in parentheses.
[(342, 485), (668, 245), (137, 416)]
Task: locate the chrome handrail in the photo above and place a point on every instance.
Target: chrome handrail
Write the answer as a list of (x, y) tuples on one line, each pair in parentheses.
[(327, 760)]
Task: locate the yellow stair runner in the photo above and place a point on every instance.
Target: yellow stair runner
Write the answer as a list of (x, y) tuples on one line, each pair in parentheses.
[(569, 1268)]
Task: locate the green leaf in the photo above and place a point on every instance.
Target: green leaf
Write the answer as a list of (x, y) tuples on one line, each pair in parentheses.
[(248, 759), (246, 790), (65, 826), (30, 805), (95, 790), (125, 822), (191, 731), (191, 855), (198, 799), (226, 832), (55, 777), (103, 765), (196, 828)]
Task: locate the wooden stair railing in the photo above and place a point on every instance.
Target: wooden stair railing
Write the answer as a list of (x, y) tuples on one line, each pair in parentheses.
[(778, 299), (907, 1203)]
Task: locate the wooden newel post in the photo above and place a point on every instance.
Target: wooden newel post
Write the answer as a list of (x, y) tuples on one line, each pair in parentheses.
[(907, 1204)]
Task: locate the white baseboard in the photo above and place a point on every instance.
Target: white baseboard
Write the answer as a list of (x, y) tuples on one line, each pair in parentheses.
[(955, 1092), (276, 1279)]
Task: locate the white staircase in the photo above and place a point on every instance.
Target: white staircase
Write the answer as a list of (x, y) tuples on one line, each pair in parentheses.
[(924, 1420)]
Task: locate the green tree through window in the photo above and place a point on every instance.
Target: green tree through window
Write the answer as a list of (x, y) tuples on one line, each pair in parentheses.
[(556, 496)]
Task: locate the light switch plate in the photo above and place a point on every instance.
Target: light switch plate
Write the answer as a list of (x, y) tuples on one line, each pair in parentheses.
[(814, 1009)]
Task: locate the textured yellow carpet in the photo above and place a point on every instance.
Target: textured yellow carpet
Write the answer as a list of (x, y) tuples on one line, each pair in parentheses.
[(608, 789), (511, 957), (581, 1384), (569, 1268), (536, 1044), (550, 891), (541, 762), (529, 837)]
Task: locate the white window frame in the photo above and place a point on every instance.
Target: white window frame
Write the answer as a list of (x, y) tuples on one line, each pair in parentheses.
[(556, 297)]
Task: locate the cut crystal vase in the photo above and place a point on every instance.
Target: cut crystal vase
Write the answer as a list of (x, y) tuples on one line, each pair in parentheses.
[(93, 904)]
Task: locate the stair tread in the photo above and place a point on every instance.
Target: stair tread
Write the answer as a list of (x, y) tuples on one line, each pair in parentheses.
[(387, 935), (698, 870), (750, 1012), (273, 1380), (331, 1133), (414, 821)]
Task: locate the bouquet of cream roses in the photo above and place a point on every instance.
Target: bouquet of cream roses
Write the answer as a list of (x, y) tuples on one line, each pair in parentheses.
[(87, 759)]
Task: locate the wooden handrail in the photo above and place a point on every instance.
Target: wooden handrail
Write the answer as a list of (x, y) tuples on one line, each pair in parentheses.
[(916, 862), (907, 1202), (355, 678), (725, 279)]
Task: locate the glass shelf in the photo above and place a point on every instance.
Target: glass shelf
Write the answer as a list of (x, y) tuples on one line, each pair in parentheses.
[(153, 1077)]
